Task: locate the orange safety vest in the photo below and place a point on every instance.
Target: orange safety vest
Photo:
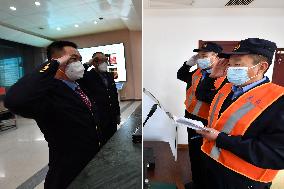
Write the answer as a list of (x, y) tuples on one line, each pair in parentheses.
[(194, 106), (235, 120)]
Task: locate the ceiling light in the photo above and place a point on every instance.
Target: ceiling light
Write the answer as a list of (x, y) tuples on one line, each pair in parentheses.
[(2, 175), (37, 3), (76, 25), (95, 22), (13, 8), (58, 28)]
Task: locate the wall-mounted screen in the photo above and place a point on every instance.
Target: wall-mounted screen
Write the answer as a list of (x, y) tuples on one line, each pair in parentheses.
[(10, 71)]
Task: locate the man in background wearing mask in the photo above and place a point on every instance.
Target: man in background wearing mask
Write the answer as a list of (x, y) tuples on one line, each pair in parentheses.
[(100, 86), (62, 111), (243, 147), (201, 90)]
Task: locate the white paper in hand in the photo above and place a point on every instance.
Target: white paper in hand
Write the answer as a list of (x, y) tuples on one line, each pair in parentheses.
[(190, 123)]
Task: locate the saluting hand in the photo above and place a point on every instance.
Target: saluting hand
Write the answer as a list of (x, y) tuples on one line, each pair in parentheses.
[(91, 61), (210, 134), (192, 60), (63, 60), (219, 69)]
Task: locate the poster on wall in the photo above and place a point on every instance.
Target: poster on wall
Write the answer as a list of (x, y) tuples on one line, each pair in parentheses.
[(115, 56)]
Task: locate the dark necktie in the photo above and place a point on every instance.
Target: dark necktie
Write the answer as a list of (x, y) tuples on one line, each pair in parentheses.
[(84, 97)]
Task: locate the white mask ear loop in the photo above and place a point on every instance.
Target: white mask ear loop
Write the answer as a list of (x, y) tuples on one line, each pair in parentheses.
[(254, 65), (252, 68)]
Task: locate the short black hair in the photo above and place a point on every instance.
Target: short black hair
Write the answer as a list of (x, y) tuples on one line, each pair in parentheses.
[(97, 53), (58, 46)]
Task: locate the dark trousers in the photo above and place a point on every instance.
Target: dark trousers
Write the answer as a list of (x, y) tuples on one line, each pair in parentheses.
[(64, 167), (194, 149), (219, 177), (108, 129)]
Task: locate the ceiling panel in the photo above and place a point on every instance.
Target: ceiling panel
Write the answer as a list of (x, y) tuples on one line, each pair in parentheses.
[(20, 37), (44, 20)]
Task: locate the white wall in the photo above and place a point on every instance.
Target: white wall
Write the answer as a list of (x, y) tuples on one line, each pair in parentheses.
[(169, 36)]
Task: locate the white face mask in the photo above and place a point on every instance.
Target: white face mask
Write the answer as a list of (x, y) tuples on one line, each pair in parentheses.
[(102, 67), (239, 75), (74, 71), (203, 63)]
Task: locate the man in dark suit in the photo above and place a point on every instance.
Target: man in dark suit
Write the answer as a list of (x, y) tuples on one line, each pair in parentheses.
[(62, 111), (100, 86)]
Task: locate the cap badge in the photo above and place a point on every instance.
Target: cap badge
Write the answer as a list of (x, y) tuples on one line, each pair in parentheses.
[(45, 68), (237, 47)]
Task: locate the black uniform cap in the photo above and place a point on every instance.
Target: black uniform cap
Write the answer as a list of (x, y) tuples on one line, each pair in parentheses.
[(209, 47), (253, 46)]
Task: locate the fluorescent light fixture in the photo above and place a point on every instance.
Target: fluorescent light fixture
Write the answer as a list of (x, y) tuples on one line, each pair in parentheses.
[(37, 3), (76, 25), (58, 28), (13, 8)]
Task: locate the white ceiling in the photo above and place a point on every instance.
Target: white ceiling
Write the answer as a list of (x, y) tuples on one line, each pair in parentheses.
[(172, 4), (23, 25)]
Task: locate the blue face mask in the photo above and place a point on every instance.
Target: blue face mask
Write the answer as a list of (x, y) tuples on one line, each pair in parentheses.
[(203, 63), (239, 75)]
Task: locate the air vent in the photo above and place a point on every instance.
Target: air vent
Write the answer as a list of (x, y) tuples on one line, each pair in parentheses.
[(239, 3)]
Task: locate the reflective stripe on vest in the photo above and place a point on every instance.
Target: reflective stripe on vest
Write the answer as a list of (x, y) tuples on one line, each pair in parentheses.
[(194, 106), (235, 120)]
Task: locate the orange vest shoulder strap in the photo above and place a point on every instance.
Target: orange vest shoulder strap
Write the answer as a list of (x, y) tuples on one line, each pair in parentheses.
[(195, 79), (217, 103), (197, 72), (219, 82)]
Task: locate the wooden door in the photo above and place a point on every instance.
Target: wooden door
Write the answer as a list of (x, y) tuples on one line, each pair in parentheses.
[(278, 70)]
